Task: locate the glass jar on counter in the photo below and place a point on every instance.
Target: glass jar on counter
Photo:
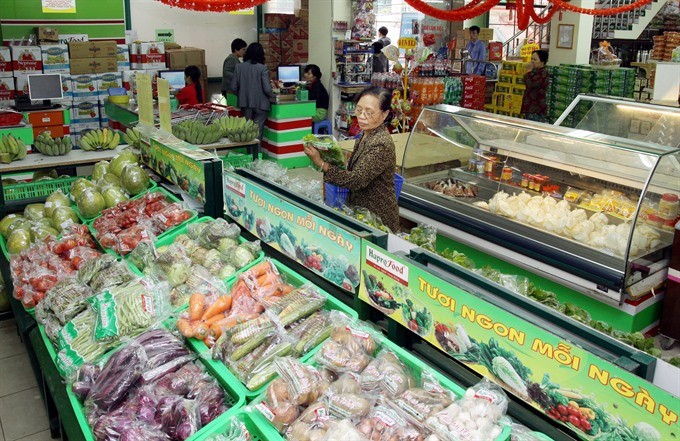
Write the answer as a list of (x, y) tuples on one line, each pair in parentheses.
[(506, 174), (525, 180), (481, 164), (669, 205), (655, 220), (668, 223), (472, 165), (490, 165)]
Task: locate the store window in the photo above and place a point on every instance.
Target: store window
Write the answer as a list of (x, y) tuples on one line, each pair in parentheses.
[(281, 6)]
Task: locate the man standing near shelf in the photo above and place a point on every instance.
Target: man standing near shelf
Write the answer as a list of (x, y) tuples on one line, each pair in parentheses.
[(382, 36), (476, 51), (536, 80), (238, 50)]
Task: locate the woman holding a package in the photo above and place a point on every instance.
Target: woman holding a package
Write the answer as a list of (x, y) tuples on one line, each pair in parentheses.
[(369, 173)]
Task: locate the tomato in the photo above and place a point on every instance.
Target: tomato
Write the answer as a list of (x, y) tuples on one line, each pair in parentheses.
[(562, 410), (575, 421), (564, 419), (585, 425), (574, 412)]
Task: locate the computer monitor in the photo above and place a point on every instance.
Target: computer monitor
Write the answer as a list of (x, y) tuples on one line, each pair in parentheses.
[(175, 78), (45, 87), (288, 74)]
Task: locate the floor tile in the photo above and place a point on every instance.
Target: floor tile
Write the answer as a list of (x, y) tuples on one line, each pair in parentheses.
[(11, 343), (23, 414), (17, 374), (11, 323), (40, 436)]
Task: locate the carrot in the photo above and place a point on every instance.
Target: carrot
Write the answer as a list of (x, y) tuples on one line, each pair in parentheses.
[(239, 289), (267, 279), (209, 341), (232, 321), (200, 330), (213, 319), (215, 331), (196, 305), (287, 288), (260, 269), (185, 327), (221, 305)]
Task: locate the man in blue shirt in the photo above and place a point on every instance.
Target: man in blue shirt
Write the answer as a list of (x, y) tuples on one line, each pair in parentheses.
[(476, 51)]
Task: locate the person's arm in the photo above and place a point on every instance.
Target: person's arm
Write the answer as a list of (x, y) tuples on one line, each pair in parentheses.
[(266, 87), (235, 84), (322, 100), (371, 165), (228, 68)]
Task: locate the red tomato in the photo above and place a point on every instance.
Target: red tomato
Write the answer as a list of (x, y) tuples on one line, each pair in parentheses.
[(573, 412), (575, 421), (585, 425), (562, 409)]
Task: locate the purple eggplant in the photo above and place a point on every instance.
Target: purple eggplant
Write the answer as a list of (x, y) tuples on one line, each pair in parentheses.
[(171, 366), (119, 374)]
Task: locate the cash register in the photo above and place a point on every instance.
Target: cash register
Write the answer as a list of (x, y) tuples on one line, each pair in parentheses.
[(45, 87)]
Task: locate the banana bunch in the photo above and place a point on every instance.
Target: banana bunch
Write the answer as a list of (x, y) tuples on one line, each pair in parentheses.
[(11, 149), (195, 132), (100, 139), (238, 129), (49, 146), (132, 137)]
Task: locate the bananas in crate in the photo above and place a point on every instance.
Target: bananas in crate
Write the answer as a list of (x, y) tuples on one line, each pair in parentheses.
[(132, 137), (238, 129), (195, 132), (100, 139), (49, 146), (11, 149)]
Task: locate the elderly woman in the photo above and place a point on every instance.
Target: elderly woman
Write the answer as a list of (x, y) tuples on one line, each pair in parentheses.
[(370, 171)]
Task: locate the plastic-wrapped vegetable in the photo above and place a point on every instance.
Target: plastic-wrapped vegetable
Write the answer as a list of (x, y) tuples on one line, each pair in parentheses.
[(100, 169), (134, 179), (328, 147), (55, 200), (90, 203), (67, 298), (34, 212), (18, 240)]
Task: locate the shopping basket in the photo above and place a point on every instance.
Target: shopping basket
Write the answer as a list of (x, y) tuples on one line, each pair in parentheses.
[(337, 196)]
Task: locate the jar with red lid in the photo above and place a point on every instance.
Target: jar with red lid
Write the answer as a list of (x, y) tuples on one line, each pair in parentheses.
[(538, 183), (525, 180), (506, 174), (669, 205), (668, 222), (655, 220)]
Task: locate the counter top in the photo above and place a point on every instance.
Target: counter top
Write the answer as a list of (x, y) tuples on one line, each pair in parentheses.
[(35, 161)]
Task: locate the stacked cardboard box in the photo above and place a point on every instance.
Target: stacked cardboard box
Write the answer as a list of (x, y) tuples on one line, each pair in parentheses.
[(664, 45), (6, 76), (509, 91), (147, 55), (494, 49), (474, 87), (287, 38)]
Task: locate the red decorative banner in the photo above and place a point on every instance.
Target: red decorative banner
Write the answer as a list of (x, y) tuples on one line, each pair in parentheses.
[(213, 5)]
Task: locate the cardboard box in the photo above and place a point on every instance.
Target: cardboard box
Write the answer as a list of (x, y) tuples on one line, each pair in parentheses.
[(93, 49), (485, 34), (84, 112), (108, 80), (84, 87), (55, 58), (7, 88), (123, 57), (147, 55), (67, 86), (277, 21), (187, 56), (20, 84), (5, 62), (82, 66), (26, 59), (495, 52), (48, 34)]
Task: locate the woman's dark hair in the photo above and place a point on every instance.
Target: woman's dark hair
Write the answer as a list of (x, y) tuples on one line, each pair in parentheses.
[(314, 69), (542, 55), (237, 45), (194, 73), (384, 98), (377, 47), (254, 54)]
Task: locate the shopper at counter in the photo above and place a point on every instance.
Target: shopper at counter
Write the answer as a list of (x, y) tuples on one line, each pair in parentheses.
[(192, 93), (536, 80), (370, 170), (317, 91), (238, 50), (251, 85)]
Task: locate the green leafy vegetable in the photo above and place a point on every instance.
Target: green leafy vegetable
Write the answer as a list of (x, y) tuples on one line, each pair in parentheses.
[(328, 148)]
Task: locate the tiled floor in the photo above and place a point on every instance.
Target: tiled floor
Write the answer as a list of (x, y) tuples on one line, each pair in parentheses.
[(22, 412)]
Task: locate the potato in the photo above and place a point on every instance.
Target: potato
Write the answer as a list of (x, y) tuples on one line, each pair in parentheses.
[(277, 392), (284, 414), (348, 405)]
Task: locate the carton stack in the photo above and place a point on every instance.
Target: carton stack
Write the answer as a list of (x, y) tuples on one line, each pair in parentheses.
[(494, 49), (474, 87), (664, 45), (286, 40), (178, 59), (509, 91), (26, 60), (6, 76)]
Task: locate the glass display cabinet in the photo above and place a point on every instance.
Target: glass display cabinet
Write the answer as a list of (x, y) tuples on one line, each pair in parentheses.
[(594, 207), (615, 117)]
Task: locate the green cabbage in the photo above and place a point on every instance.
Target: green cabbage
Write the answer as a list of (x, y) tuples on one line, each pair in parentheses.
[(62, 216), (34, 212), (100, 169), (55, 200), (7, 221), (113, 196), (119, 162), (90, 203), (79, 186), (134, 179), (18, 240)]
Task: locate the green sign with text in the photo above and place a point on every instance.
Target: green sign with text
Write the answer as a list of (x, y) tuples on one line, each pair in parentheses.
[(592, 396), (166, 35), (176, 166)]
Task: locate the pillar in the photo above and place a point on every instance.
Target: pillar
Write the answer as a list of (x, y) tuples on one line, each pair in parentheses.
[(582, 36)]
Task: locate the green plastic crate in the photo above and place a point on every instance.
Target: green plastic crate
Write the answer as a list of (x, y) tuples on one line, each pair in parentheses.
[(169, 196), (258, 427), (152, 185), (296, 280), (36, 189)]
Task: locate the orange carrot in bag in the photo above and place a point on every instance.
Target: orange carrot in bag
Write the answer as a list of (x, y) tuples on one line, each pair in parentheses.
[(222, 304), (196, 305), (213, 319), (260, 269), (185, 327)]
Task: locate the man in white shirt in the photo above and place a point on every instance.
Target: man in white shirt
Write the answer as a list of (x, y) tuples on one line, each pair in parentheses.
[(476, 51)]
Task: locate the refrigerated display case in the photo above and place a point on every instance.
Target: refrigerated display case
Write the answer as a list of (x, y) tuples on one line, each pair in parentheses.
[(592, 211), (615, 117)]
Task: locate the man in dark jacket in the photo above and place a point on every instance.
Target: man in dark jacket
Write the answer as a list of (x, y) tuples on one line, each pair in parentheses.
[(238, 49)]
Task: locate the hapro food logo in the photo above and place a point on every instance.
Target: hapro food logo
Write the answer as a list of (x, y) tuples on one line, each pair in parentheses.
[(387, 265), (55, 51), (109, 77)]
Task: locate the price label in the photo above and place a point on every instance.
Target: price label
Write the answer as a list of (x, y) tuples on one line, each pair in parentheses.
[(407, 43)]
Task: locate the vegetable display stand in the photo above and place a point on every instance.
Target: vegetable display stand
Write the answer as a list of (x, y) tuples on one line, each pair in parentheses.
[(152, 185), (225, 375)]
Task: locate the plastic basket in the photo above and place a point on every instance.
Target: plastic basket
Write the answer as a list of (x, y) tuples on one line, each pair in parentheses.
[(169, 196), (337, 196), (36, 189), (296, 280), (152, 185), (259, 428)]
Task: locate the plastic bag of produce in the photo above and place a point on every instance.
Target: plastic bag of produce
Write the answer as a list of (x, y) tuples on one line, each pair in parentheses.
[(419, 402), (477, 415), (18, 240), (100, 169), (7, 221), (134, 179), (90, 203), (77, 345), (68, 298), (128, 310), (79, 186), (386, 374), (311, 331), (119, 162), (39, 232), (270, 169), (173, 265), (350, 348), (328, 148), (113, 196), (34, 212), (55, 200), (423, 235), (170, 216), (143, 256), (384, 423)]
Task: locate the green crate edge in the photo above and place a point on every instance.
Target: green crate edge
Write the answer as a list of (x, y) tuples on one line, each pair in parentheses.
[(256, 424), (168, 195), (239, 400), (56, 183), (152, 185), (237, 161), (297, 280)]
